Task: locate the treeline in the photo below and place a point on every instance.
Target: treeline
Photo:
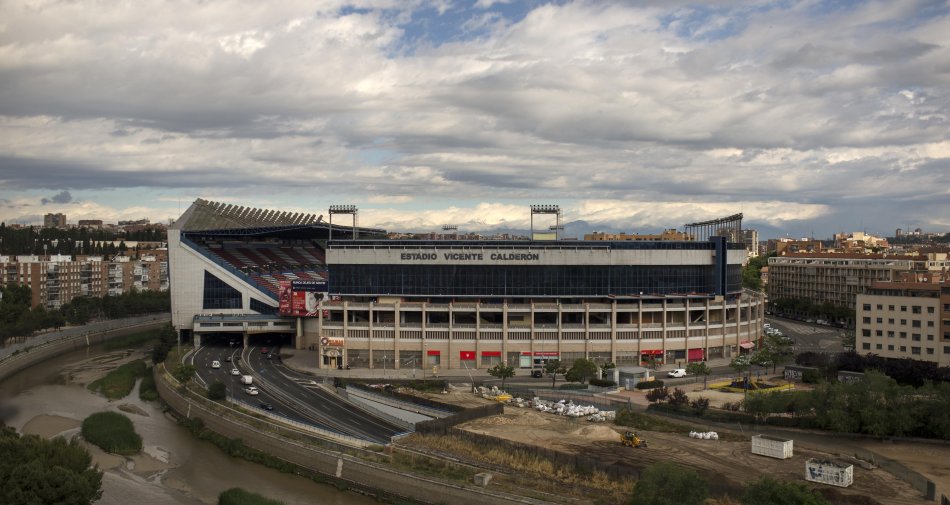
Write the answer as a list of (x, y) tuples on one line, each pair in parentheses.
[(876, 405), (906, 371), (38, 240), (752, 272), (19, 319)]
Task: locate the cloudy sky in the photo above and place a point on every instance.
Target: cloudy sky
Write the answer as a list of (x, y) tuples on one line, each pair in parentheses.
[(809, 117)]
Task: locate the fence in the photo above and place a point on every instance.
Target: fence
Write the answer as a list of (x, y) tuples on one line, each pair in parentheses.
[(599, 399)]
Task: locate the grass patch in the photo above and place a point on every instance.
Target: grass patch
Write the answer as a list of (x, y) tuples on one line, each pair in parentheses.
[(119, 382), (133, 340), (147, 390), (238, 496), (113, 432), (529, 468)]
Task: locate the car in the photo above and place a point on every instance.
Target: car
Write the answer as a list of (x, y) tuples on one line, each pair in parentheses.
[(235, 371), (267, 406), (537, 374), (679, 372), (252, 390), (264, 350), (227, 359), (215, 364)]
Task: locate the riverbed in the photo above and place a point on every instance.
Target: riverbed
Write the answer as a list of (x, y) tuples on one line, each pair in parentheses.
[(50, 399)]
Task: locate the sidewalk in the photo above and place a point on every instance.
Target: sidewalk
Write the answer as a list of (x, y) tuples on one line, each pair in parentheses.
[(306, 361)]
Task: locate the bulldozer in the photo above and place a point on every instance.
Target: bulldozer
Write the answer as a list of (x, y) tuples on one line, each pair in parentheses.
[(631, 439)]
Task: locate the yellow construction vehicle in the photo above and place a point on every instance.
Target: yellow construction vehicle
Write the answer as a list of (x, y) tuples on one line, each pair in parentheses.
[(631, 439)]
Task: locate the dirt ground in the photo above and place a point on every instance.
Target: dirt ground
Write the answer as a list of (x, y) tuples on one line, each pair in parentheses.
[(727, 465)]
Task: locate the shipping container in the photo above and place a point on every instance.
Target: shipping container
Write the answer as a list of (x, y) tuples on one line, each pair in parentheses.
[(772, 447), (829, 472)]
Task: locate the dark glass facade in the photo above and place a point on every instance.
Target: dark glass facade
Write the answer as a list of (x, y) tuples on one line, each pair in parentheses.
[(218, 294), (526, 281), (261, 307)]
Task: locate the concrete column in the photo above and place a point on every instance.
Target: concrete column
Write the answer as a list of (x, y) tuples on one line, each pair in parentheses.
[(298, 340), (478, 335), (245, 339), (197, 339), (586, 331), (396, 331), (664, 330), (504, 333), (320, 335), (451, 336), (613, 331)]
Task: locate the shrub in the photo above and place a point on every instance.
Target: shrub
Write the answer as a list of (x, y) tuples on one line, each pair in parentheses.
[(113, 432), (572, 386), (604, 383), (678, 398), (768, 491), (217, 391), (147, 390), (653, 384), (811, 377), (658, 394), (238, 496), (700, 405)]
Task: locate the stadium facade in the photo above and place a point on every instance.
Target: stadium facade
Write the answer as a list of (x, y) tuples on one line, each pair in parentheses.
[(360, 299)]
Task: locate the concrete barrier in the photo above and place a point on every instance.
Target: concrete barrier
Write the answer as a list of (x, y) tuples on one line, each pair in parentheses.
[(367, 476)]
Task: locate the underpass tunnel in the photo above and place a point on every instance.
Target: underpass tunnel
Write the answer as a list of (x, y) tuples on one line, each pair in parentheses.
[(220, 339), (271, 339)]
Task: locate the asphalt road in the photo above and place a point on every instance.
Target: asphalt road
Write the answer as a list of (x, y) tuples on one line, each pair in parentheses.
[(809, 336), (295, 396)]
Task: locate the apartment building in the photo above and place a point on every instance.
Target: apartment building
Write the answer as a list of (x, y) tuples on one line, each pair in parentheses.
[(54, 221), (905, 320), (55, 280), (835, 278)]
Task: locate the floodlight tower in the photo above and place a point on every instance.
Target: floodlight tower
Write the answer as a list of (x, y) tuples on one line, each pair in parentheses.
[(547, 209), (453, 228), (344, 209)]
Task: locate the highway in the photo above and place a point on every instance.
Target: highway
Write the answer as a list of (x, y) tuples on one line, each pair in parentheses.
[(293, 395)]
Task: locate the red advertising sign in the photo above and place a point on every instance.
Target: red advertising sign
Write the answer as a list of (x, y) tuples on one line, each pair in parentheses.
[(298, 299), (546, 353), (466, 355), (491, 353), (433, 353)]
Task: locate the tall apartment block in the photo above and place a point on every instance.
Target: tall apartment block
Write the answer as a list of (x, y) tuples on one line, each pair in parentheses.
[(55, 280), (905, 320), (54, 221)]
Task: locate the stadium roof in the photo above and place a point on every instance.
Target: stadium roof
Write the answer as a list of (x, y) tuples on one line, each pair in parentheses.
[(206, 215)]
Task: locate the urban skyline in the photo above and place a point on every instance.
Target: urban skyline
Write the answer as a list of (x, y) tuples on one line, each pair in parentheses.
[(809, 118)]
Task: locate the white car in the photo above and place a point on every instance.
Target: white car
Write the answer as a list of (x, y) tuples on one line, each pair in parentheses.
[(679, 372), (251, 390), (215, 364), (235, 371)]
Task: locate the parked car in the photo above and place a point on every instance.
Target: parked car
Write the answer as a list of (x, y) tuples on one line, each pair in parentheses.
[(215, 364), (679, 372), (537, 374), (252, 390)]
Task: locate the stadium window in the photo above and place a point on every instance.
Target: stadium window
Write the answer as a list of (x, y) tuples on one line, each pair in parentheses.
[(903, 348), (930, 350), (903, 322), (880, 307), (930, 337), (890, 307), (915, 309), (880, 320), (867, 306), (867, 320), (866, 332), (890, 334), (903, 308), (903, 334), (261, 307), (890, 320), (915, 350), (890, 348), (946, 349), (880, 333), (879, 346), (930, 310), (915, 324), (866, 346), (218, 294), (915, 336)]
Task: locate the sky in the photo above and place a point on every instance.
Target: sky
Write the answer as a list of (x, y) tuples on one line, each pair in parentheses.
[(809, 117)]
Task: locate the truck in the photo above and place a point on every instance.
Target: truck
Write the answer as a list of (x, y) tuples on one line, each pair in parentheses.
[(247, 379)]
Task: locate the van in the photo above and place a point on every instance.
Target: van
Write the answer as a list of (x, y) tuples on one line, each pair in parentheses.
[(247, 379)]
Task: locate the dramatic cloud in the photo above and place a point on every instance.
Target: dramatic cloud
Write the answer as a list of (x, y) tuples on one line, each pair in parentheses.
[(808, 117)]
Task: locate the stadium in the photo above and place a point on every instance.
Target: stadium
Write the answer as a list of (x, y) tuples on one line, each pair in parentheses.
[(362, 300)]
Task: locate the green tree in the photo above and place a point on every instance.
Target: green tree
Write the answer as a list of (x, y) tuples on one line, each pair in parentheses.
[(34, 470), (669, 484), (768, 491), (741, 364), (217, 391), (581, 371), (502, 371), (183, 373), (552, 368), (699, 368)]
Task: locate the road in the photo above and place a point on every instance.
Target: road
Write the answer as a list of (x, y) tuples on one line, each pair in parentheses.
[(809, 337), (294, 396)]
